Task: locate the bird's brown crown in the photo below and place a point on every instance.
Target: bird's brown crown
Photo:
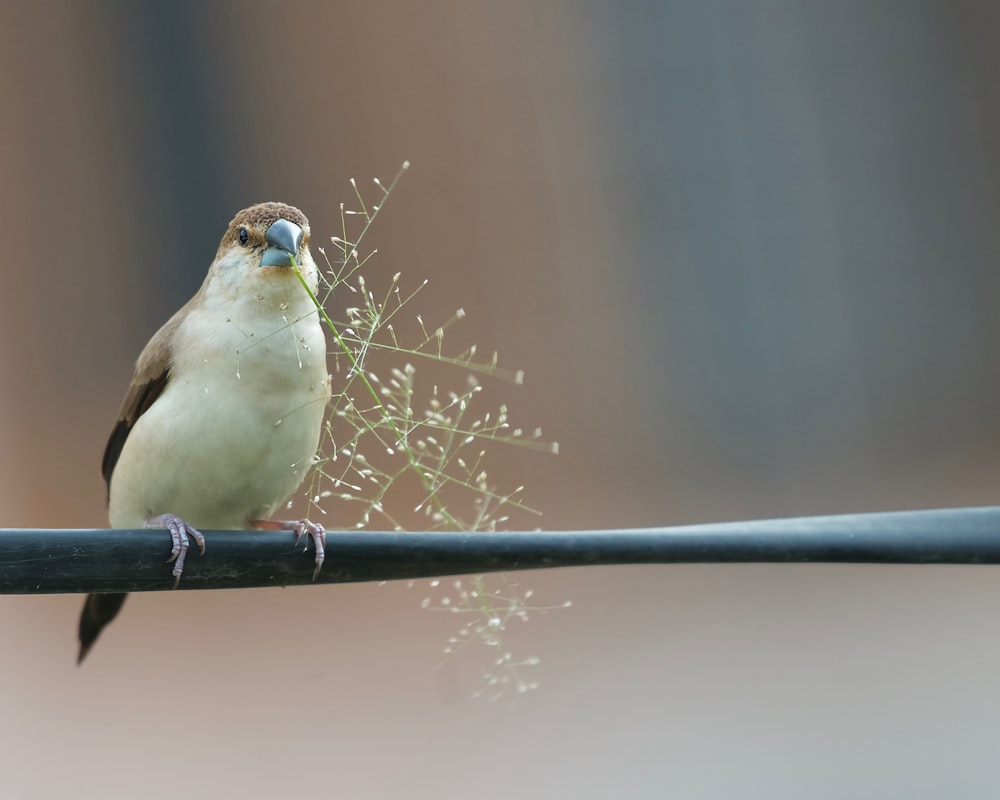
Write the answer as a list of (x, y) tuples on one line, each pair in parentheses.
[(261, 216)]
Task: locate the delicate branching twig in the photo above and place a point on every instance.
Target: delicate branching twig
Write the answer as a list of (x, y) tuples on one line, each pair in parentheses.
[(402, 454)]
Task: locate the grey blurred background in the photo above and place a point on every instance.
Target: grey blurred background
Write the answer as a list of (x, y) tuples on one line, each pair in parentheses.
[(746, 253)]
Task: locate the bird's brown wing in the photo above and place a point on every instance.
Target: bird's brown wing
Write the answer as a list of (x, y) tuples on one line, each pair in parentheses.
[(152, 373)]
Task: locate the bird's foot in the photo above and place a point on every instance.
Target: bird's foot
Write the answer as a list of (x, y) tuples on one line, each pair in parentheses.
[(179, 542), (300, 528)]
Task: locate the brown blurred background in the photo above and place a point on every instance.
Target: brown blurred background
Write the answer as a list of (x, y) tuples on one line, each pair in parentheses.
[(746, 253)]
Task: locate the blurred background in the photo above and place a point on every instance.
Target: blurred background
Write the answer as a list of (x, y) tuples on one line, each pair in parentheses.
[(745, 252)]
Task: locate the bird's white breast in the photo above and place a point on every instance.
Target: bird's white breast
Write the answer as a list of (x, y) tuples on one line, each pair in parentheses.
[(236, 428)]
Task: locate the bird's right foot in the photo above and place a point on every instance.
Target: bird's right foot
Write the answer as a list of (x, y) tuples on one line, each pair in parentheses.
[(179, 541)]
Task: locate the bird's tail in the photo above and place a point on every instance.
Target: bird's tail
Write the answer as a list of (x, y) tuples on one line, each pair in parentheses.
[(98, 611)]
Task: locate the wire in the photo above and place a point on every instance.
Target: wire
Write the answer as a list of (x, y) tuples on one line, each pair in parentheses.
[(45, 561)]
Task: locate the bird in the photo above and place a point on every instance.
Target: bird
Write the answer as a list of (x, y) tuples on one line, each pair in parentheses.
[(225, 409)]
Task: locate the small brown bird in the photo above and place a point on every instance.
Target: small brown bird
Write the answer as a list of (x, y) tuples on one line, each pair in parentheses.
[(225, 409)]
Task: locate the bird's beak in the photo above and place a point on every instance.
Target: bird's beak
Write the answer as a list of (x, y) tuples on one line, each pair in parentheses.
[(283, 239)]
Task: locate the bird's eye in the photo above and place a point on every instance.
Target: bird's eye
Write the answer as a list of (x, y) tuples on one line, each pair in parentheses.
[(244, 236)]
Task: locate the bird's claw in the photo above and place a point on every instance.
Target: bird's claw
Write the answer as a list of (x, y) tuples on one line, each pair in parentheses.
[(179, 541), (318, 534), (300, 528)]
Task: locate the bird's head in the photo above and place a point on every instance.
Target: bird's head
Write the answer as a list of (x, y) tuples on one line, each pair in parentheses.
[(256, 253)]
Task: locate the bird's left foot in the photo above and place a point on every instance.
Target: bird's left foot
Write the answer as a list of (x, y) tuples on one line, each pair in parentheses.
[(300, 528)]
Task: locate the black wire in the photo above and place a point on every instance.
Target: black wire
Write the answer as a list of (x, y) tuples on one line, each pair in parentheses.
[(54, 561)]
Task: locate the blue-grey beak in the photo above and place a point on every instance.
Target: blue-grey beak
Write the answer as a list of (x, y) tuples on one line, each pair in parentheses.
[(283, 241)]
